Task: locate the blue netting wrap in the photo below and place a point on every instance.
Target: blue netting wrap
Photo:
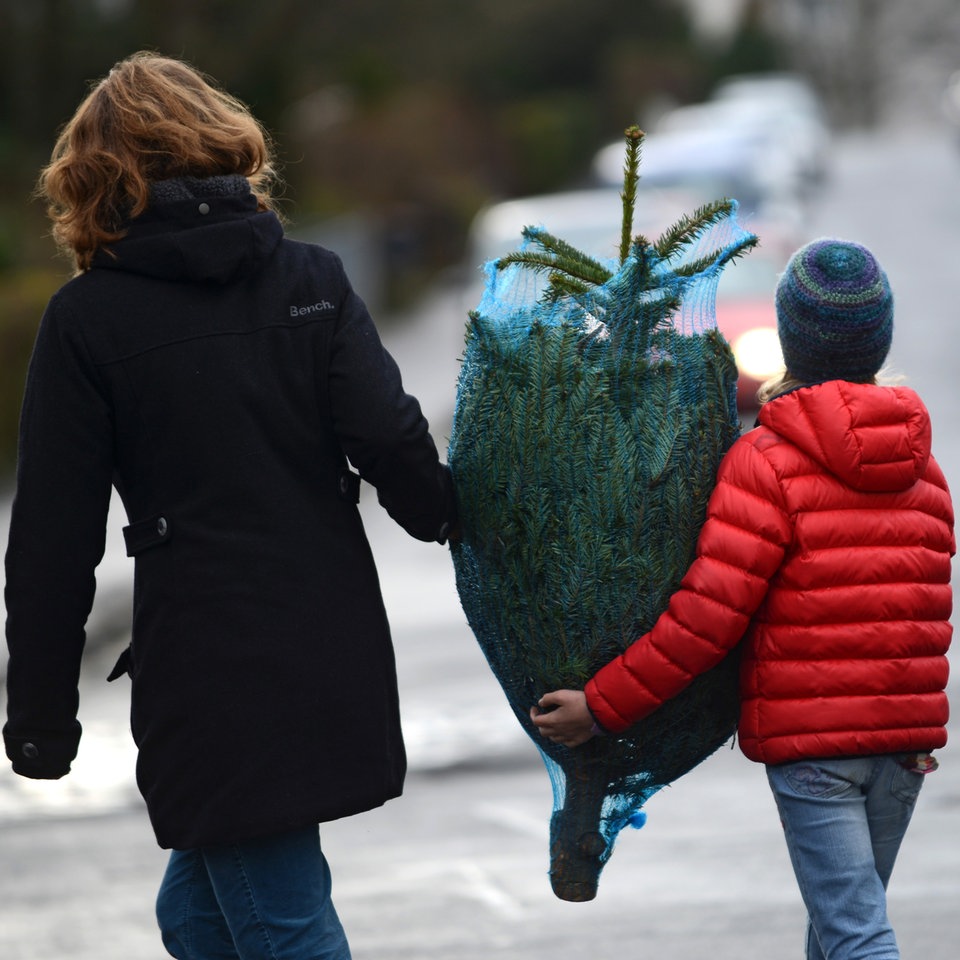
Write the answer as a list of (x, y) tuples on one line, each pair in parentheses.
[(586, 437)]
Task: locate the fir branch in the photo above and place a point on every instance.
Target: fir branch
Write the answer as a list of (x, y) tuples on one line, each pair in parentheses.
[(567, 258), (580, 267), (642, 251), (547, 241), (721, 258), (689, 227), (631, 177), (562, 285), (536, 260)]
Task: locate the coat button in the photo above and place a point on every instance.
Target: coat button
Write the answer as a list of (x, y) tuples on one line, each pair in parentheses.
[(30, 751), (162, 526), (204, 209), (344, 483)]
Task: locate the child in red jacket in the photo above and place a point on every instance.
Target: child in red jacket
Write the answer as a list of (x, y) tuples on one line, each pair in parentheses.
[(826, 557)]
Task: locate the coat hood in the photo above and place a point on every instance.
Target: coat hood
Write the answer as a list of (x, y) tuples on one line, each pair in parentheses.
[(196, 230), (875, 439)]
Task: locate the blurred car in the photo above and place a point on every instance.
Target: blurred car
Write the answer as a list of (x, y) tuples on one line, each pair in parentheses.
[(761, 139), (709, 161), (950, 102), (788, 106), (590, 220)]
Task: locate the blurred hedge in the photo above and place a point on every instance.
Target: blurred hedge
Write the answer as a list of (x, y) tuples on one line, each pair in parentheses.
[(23, 296)]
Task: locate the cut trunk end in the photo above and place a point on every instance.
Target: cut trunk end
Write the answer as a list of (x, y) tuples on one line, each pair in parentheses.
[(578, 850)]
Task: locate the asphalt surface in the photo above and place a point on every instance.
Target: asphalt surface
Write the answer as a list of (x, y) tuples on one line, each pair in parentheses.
[(456, 870)]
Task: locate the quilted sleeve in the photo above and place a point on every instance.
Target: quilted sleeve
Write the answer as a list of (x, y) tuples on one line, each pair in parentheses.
[(741, 546), (936, 476)]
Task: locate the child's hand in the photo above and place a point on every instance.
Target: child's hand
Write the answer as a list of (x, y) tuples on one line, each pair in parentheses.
[(562, 716)]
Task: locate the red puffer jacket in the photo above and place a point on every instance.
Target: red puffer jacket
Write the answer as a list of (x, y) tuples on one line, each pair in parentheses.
[(827, 548)]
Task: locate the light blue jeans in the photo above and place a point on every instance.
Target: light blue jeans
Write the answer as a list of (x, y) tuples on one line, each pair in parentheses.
[(265, 899), (844, 820)]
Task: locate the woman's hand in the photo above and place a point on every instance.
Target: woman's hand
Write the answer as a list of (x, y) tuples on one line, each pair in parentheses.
[(562, 716)]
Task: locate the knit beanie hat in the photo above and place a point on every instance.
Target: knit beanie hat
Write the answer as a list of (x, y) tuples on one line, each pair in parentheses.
[(834, 312)]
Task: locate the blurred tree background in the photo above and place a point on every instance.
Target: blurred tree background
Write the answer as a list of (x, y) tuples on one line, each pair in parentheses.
[(413, 115), (428, 106)]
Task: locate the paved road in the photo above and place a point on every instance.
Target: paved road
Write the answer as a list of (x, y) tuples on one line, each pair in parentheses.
[(457, 868)]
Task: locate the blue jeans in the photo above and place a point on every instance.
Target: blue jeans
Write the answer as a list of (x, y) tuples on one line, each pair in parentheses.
[(844, 820), (266, 899)]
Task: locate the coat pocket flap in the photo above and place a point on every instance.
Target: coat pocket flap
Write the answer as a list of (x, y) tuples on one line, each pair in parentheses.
[(144, 534)]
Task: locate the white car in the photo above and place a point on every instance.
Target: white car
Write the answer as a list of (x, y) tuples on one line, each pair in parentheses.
[(789, 104), (709, 162)]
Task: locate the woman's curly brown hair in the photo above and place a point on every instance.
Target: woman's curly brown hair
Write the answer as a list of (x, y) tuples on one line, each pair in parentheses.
[(151, 118)]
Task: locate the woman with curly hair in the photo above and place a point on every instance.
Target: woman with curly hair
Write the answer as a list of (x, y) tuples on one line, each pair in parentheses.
[(223, 378)]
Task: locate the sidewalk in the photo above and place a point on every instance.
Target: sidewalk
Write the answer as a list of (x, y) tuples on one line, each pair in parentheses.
[(456, 870)]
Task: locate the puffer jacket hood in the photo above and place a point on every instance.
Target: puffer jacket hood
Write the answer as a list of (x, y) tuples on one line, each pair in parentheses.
[(196, 230), (874, 439)]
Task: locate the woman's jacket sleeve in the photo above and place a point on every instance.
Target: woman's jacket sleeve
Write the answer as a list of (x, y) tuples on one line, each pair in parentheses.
[(383, 431), (56, 540), (741, 546)]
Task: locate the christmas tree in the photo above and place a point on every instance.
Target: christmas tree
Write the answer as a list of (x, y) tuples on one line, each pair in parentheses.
[(591, 417)]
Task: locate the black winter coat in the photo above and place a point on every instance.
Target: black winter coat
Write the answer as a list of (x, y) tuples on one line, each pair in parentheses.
[(220, 376)]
